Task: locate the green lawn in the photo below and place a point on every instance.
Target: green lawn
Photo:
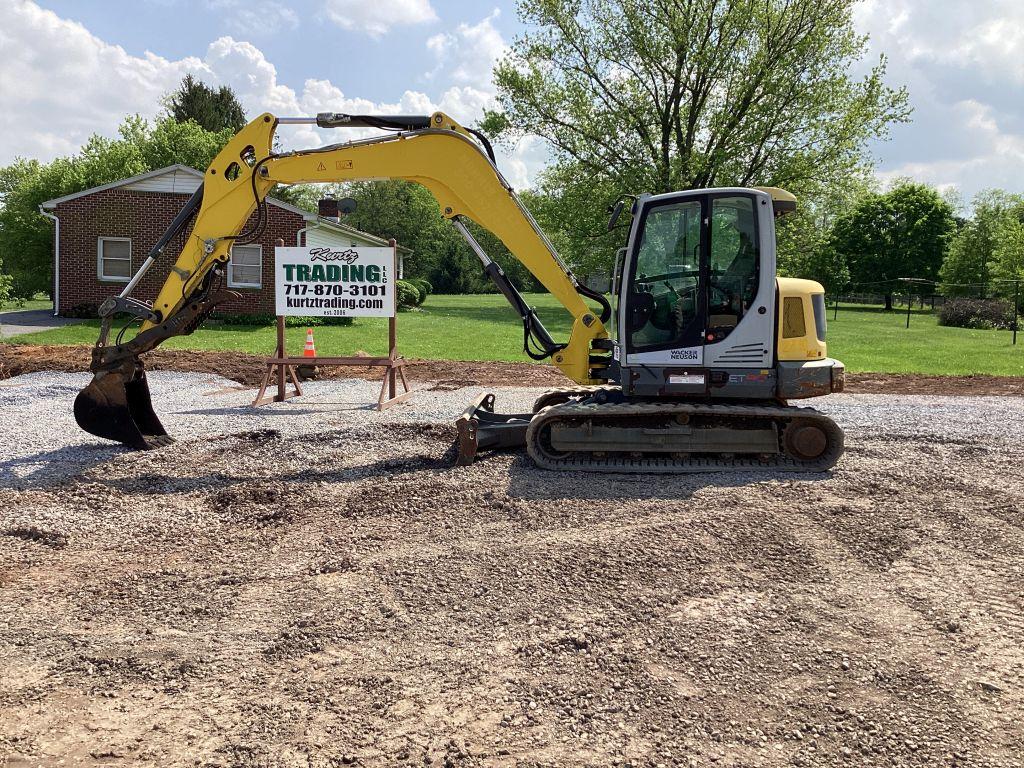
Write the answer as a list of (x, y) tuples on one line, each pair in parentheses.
[(870, 339), (486, 328), (40, 301)]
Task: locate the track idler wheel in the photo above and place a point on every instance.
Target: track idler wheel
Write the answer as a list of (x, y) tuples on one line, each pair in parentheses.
[(118, 408), (805, 440)]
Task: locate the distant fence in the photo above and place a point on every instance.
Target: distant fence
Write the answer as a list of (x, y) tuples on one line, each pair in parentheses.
[(923, 301), (931, 301)]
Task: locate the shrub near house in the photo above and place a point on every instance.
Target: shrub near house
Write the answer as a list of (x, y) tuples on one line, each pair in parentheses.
[(984, 314)]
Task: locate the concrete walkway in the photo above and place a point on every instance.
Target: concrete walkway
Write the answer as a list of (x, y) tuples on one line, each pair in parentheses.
[(30, 320)]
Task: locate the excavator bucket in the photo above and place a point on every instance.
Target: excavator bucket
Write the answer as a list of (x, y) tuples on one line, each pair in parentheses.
[(119, 408)]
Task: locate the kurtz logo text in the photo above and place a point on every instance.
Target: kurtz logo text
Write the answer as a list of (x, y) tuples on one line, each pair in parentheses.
[(326, 254)]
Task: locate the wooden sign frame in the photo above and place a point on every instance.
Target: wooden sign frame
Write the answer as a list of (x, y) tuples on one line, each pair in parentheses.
[(281, 367)]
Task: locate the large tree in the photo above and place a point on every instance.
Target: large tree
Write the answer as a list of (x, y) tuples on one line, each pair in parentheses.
[(663, 95), (903, 233), (972, 252), (214, 109), (1008, 258)]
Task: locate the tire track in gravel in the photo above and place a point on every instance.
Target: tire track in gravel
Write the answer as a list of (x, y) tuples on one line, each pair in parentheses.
[(975, 591), (911, 603)]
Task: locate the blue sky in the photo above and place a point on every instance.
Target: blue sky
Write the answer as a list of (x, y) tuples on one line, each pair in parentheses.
[(307, 43), (79, 66)]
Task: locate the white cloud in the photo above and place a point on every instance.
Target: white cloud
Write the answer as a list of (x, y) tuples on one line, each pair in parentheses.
[(255, 18), (997, 161), (69, 82), (467, 55), (376, 17), (963, 62), (986, 36), (73, 84), (526, 160)]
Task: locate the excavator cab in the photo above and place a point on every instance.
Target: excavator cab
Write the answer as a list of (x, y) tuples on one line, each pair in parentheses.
[(698, 308), (698, 289)]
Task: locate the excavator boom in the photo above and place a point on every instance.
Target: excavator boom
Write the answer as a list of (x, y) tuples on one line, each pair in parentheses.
[(454, 163)]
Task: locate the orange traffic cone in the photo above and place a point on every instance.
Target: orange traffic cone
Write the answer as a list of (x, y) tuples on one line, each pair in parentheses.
[(309, 350)]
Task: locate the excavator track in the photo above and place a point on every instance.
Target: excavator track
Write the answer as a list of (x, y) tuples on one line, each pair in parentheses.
[(682, 438), (560, 395)]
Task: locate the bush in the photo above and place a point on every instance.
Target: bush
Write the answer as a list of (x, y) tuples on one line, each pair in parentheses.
[(90, 310), (407, 295), (985, 314), (424, 286)]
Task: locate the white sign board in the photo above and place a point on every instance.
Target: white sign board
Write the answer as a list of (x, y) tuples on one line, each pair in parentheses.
[(335, 282)]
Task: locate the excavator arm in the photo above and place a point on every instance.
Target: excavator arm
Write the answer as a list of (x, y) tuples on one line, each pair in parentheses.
[(434, 151)]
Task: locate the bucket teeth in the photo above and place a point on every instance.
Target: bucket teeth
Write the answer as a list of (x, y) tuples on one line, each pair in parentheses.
[(116, 408)]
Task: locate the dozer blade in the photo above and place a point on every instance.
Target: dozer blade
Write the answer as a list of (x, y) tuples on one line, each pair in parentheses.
[(119, 408), (480, 427)]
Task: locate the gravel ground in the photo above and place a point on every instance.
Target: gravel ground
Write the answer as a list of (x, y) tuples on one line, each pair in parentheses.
[(313, 584)]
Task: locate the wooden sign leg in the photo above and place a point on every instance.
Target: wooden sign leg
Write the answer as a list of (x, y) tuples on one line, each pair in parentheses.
[(282, 382), (392, 354), (263, 386)]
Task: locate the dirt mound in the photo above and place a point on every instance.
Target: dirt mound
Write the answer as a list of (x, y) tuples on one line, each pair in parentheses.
[(921, 384), (16, 359)]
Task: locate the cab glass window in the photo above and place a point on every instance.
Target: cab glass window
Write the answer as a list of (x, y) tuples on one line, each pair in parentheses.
[(664, 303), (734, 268), (793, 326)]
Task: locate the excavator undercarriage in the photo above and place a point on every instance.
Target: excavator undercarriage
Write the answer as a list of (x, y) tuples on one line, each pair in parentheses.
[(597, 429)]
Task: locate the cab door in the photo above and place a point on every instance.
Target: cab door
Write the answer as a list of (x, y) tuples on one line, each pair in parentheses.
[(699, 283), (666, 280)]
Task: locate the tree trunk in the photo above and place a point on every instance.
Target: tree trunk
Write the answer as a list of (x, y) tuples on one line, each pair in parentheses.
[(888, 302)]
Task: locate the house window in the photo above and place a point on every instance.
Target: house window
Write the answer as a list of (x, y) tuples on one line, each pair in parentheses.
[(245, 270), (114, 259)]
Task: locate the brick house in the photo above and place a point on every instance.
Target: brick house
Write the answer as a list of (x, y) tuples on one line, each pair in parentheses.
[(103, 234)]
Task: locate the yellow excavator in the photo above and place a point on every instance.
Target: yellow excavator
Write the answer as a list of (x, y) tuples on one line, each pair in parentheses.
[(709, 343)]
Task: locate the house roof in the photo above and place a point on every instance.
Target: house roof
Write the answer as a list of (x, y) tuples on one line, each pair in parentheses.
[(51, 204), (309, 217), (337, 226)]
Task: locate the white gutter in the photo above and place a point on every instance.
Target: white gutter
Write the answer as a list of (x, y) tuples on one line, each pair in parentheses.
[(56, 259)]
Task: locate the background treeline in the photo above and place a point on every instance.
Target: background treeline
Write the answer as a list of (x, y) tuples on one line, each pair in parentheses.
[(628, 96)]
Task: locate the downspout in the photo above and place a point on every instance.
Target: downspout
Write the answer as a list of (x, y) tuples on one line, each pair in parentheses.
[(56, 259), (300, 236)]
